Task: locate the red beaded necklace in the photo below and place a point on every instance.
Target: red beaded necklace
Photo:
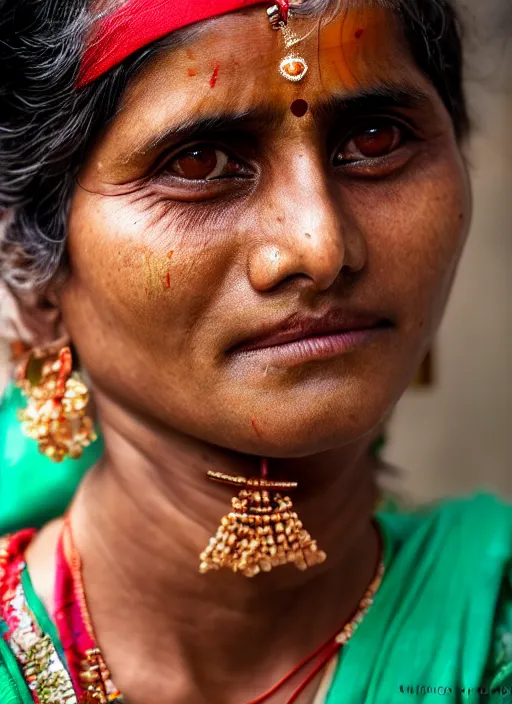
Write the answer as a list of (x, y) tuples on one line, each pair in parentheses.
[(88, 670)]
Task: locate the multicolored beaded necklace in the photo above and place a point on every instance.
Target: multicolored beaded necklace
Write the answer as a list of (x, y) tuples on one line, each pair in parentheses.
[(79, 674)]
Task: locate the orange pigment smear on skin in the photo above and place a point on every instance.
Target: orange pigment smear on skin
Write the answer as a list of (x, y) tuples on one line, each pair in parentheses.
[(215, 75), (253, 423), (349, 44), (150, 267)]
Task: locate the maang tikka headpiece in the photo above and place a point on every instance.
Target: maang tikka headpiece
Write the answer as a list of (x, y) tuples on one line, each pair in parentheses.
[(292, 67), (137, 23)]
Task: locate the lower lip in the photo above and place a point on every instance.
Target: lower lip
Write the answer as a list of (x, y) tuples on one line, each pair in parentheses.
[(312, 348)]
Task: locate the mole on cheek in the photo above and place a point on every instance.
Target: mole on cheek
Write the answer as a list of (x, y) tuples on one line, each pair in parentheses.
[(299, 107), (192, 72)]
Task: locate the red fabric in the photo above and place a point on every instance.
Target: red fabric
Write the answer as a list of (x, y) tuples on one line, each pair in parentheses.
[(140, 22), (68, 618), (12, 562)]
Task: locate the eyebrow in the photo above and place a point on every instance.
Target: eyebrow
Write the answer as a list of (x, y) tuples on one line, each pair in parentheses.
[(261, 117), (372, 100), (267, 117)]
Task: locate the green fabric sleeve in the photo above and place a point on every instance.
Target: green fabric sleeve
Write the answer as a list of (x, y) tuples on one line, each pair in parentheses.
[(33, 489), (499, 669), (432, 627), (13, 689)]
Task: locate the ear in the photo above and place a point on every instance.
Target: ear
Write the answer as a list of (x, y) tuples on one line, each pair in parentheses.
[(29, 316)]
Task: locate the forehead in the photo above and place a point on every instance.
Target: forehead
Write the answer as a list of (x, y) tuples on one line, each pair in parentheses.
[(233, 61)]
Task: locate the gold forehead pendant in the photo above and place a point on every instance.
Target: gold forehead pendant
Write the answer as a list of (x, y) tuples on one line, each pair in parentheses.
[(293, 67)]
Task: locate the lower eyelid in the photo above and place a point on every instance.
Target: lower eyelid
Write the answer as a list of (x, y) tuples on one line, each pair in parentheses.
[(395, 159), (179, 189), (407, 139)]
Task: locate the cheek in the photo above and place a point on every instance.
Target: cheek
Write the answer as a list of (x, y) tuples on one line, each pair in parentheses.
[(136, 279), (416, 237)]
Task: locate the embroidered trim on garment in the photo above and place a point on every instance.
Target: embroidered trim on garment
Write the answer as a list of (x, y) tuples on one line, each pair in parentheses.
[(46, 676)]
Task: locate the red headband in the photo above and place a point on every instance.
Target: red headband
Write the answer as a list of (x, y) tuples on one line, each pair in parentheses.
[(140, 22)]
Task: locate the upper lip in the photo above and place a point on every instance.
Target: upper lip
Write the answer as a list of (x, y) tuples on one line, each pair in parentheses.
[(298, 326)]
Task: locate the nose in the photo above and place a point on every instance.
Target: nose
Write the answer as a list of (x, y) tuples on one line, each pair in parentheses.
[(307, 229)]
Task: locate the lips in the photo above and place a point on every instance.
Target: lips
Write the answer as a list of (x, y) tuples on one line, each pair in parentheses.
[(300, 327)]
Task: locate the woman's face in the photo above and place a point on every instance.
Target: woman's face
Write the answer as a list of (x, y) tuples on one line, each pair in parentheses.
[(224, 203)]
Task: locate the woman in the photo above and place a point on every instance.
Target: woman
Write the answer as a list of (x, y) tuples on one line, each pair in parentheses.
[(249, 222)]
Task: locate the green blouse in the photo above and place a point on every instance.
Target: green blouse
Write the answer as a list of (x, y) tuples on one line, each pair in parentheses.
[(440, 628)]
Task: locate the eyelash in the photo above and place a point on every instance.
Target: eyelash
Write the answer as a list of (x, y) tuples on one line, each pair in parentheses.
[(407, 135), (163, 167)]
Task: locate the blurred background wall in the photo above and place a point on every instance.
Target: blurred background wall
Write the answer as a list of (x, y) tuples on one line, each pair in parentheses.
[(457, 435)]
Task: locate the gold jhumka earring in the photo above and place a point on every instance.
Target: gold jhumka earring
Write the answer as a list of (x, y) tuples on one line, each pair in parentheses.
[(292, 67), (262, 530), (57, 400)]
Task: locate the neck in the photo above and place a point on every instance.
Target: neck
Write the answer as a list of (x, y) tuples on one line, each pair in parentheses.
[(141, 519)]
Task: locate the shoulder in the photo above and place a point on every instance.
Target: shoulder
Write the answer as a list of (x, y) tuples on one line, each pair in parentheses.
[(480, 525), (456, 556), (464, 543)]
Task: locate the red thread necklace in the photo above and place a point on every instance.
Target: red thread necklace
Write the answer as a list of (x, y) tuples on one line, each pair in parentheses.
[(89, 672)]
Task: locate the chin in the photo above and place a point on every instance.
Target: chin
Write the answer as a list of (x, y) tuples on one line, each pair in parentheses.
[(312, 419)]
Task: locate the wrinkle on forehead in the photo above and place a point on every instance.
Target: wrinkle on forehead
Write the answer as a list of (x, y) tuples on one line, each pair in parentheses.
[(233, 65), (249, 53)]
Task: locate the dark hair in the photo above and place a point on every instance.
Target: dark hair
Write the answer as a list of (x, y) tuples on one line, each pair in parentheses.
[(46, 125)]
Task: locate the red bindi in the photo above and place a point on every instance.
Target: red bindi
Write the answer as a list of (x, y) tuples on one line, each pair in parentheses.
[(359, 33), (299, 107)]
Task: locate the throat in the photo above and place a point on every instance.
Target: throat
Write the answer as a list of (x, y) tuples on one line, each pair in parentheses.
[(215, 637)]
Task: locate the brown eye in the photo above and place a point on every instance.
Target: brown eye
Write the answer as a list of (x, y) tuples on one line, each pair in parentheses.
[(372, 143), (203, 163)]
